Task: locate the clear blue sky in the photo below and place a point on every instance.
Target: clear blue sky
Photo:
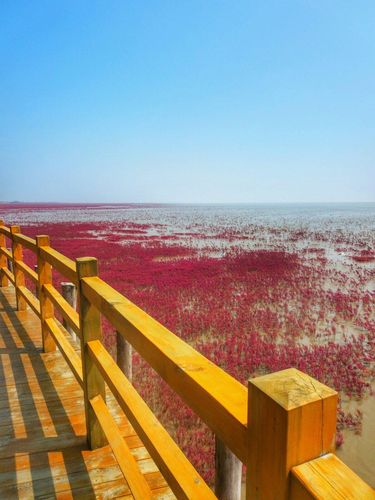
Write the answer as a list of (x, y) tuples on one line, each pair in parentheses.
[(187, 101)]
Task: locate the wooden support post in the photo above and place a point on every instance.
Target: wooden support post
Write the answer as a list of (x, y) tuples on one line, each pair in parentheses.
[(37, 285), (46, 306), (93, 383), (124, 356), (69, 292), (3, 259), (291, 419), (19, 277), (228, 473)]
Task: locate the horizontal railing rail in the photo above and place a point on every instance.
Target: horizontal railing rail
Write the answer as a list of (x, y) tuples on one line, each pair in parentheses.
[(282, 426)]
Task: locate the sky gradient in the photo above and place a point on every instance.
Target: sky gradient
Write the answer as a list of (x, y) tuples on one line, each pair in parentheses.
[(187, 101)]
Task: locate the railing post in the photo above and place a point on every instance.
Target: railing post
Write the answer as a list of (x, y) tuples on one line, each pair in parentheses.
[(291, 419), (37, 285), (3, 259), (93, 383), (19, 277), (124, 356), (46, 306), (228, 472), (69, 292)]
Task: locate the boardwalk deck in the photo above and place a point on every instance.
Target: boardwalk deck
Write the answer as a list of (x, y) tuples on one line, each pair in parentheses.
[(43, 452)]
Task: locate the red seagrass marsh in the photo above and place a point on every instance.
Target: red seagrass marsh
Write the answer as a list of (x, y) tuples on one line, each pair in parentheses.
[(256, 289)]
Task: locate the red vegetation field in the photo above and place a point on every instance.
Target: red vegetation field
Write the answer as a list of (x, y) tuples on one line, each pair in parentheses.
[(250, 310)]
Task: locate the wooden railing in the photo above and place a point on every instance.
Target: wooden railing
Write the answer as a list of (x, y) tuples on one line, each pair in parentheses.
[(282, 426)]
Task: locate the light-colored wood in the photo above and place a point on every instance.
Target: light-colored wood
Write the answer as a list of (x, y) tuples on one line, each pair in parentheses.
[(30, 298), (26, 242), (124, 353), (3, 258), (46, 306), (181, 476), (70, 355), (68, 313), (5, 251), (69, 292), (28, 271), (5, 231), (327, 478), (19, 277), (228, 473), (9, 275), (93, 383), (43, 450), (219, 399), (292, 419), (65, 266), (127, 463)]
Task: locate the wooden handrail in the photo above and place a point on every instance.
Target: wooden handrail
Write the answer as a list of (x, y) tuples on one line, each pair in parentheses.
[(25, 241), (70, 355), (127, 463), (177, 470), (286, 410), (69, 314), (65, 266), (28, 271), (219, 399), (8, 254)]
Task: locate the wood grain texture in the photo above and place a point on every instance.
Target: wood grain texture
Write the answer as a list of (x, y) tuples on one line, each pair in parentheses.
[(327, 478), (43, 451), (292, 419)]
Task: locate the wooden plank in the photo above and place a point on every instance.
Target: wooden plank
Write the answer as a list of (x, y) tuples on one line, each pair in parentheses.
[(9, 275), (125, 459), (328, 478), (26, 242), (91, 329), (181, 476), (3, 258), (46, 306), (5, 231), (292, 419), (64, 265), (67, 311), (6, 252), (219, 399), (28, 271), (19, 277), (70, 355), (30, 299)]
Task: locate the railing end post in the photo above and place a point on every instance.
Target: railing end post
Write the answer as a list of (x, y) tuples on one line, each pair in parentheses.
[(291, 419)]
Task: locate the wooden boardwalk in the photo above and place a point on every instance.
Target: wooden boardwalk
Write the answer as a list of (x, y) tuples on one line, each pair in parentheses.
[(43, 450)]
